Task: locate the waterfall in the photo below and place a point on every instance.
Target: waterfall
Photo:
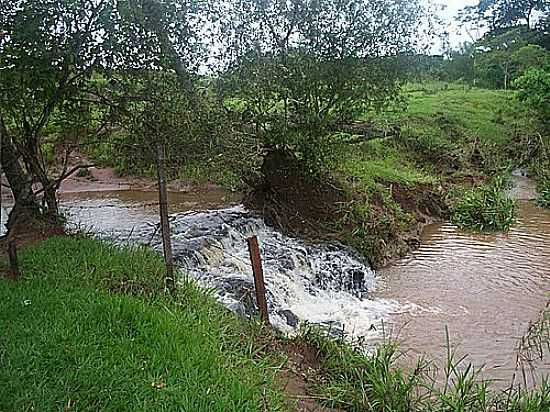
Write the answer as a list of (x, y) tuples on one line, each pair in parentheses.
[(326, 284)]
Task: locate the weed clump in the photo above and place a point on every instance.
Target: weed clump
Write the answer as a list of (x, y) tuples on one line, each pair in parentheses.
[(544, 197), (485, 208)]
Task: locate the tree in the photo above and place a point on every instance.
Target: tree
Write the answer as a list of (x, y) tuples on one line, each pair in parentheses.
[(534, 92), (49, 52), (499, 14), (460, 65), (503, 55), (304, 68), (530, 56)]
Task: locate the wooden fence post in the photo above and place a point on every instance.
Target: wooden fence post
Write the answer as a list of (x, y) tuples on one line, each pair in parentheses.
[(259, 283), (12, 255), (170, 283)]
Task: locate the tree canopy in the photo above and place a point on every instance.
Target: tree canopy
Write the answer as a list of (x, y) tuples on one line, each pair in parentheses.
[(302, 67), (49, 51), (499, 14)]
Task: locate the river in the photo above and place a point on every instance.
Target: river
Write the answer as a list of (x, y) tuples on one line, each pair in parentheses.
[(485, 288)]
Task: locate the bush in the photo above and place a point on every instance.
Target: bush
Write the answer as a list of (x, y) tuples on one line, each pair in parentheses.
[(486, 208), (534, 92), (544, 197)]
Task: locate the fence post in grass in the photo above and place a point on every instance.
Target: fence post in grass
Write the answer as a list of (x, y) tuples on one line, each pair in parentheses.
[(12, 255), (259, 283), (169, 281)]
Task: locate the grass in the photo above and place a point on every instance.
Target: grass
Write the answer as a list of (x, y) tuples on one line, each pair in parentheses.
[(376, 162), (89, 328), (451, 127), (485, 208), (544, 196), (478, 112), (534, 346), (380, 179)]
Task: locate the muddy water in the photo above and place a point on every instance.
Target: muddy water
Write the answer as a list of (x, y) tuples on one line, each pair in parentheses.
[(101, 210), (485, 288), (122, 210)]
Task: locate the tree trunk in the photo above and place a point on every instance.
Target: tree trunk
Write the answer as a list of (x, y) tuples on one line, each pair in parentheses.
[(34, 164), (506, 80), (50, 197), (26, 206)]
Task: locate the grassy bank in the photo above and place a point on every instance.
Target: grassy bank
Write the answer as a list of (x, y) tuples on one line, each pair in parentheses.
[(416, 162), (88, 328), (395, 172)]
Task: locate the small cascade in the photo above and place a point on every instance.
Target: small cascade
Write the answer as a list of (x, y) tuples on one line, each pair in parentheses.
[(325, 284)]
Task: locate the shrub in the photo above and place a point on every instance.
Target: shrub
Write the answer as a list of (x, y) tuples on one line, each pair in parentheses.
[(485, 208), (534, 92), (544, 197)]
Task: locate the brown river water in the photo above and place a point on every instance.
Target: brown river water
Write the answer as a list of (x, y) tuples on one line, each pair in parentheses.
[(486, 289)]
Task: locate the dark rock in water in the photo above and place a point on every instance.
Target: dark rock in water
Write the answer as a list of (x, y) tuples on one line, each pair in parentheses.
[(291, 319), (333, 329), (286, 262), (358, 279)]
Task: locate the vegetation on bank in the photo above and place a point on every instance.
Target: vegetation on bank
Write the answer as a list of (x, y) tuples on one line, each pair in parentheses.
[(485, 208), (89, 327), (350, 380), (544, 197), (400, 170)]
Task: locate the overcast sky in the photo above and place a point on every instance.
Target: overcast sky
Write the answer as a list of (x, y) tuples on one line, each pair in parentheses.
[(456, 36)]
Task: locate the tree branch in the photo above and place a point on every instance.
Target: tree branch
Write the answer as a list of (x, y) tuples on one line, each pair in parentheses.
[(57, 182)]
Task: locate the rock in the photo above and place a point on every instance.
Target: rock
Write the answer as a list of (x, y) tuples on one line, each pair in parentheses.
[(291, 319)]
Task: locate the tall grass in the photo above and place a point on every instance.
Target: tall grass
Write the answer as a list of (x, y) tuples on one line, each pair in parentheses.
[(533, 347), (485, 208), (544, 197), (353, 380)]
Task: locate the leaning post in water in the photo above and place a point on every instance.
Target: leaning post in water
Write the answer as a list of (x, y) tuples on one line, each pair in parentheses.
[(259, 282), (170, 283)]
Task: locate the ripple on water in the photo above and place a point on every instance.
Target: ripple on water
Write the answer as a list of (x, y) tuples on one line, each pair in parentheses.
[(487, 287)]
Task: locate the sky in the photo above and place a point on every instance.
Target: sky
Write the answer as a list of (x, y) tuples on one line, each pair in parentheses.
[(456, 35)]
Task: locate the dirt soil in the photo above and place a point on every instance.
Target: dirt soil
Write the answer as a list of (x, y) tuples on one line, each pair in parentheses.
[(296, 204), (309, 207), (298, 374), (106, 179)]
